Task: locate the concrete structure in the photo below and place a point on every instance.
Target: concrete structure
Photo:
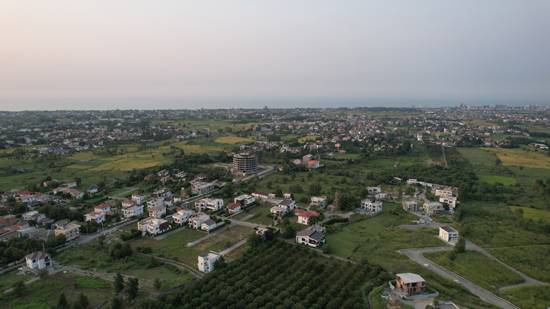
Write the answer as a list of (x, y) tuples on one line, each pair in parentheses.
[(373, 190), (311, 238), (201, 188), (129, 203), (156, 211), (245, 199), (372, 205), (208, 225), (319, 201), (70, 230), (38, 260), (207, 260), (234, 207), (94, 216), (451, 200), (446, 192), (245, 163), (448, 234), (433, 208), (41, 234), (7, 220), (305, 217), (139, 199), (153, 226), (134, 211), (410, 205), (209, 204), (196, 221), (182, 216), (410, 283), (156, 201)]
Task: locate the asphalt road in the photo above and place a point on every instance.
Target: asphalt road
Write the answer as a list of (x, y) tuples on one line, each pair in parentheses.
[(417, 255)]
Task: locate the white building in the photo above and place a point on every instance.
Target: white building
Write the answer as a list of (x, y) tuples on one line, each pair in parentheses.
[(153, 226), (157, 201), (129, 203), (451, 200), (209, 204), (319, 201), (448, 234), (245, 199), (182, 216), (196, 221), (139, 199), (157, 211), (207, 260), (38, 259), (310, 237), (208, 225), (134, 211), (372, 205), (374, 190), (94, 216)]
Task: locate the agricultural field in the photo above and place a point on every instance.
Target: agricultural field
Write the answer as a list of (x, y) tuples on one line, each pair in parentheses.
[(308, 138), (232, 140), (533, 214), (531, 260), (477, 156), (44, 293), (532, 297), (478, 268), (521, 157), (502, 234), (507, 181)]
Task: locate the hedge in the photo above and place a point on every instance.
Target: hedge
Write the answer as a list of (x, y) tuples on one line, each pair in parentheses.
[(334, 220)]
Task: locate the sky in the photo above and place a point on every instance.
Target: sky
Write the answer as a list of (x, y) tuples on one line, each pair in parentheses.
[(86, 50)]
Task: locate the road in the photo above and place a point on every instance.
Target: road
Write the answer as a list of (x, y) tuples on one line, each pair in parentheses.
[(417, 255), (240, 243), (116, 196), (87, 238), (249, 224)]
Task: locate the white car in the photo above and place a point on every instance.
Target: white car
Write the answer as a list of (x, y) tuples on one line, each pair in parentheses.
[(457, 281), (427, 265)]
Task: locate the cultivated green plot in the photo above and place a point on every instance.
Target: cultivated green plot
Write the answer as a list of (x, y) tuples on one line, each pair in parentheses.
[(531, 260), (532, 297), (507, 181)]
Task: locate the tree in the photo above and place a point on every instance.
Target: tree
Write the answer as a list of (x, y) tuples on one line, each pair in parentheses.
[(133, 284), (62, 302), (18, 288), (43, 273), (157, 284), (498, 162), (460, 245), (289, 232), (279, 192), (327, 248), (81, 302), (220, 263), (253, 240), (119, 283), (116, 303)]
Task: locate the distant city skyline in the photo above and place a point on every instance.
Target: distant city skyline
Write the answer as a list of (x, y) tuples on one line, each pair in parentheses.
[(192, 54)]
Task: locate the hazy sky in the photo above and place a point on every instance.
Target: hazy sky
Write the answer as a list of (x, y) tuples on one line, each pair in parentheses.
[(274, 48)]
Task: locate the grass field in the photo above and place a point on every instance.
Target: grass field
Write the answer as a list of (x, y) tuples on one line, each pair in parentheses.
[(503, 234), (531, 260), (532, 297), (507, 181), (308, 138), (520, 157), (477, 156), (532, 213), (232, 140), (477, 268)]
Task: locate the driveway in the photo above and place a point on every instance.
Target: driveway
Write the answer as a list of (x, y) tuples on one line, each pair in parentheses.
[(417, 255), (240, 243)]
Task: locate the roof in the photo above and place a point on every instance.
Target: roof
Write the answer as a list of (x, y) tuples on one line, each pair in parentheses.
[(127, 201), (286, 202), (410, 278), (305, 233), (38, 255), (103, 206), (317, 236), (448, 229), (209, 222), (233, 205)]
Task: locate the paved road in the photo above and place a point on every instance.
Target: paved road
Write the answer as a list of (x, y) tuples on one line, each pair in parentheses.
[(417, 255), (161, 237), (240, 243), (249, 224)]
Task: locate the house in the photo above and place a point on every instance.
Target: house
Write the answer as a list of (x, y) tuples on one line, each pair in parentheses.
[(91, 189), (38, 260), (167, 202), (245, 199), (7, 220), (70, 230), (156, 211), (448, 234), (139, 199), (128, 203), (25, 231), (196, 221), (311, 238), (25, 198), (446, 192), (133, 211), (260, 195), (103, 208), (77, 194), (233, 207), (313, 164), (71, 184), (410, 205), (372, 205), (209, 204), (307, 158), (288, 205), (381, 195), (7, 236), (201, 188), (288, 196), (433, 208), (181, 175), (305, 217), (59, 189), (451, 200), (208, 225), (41, 234), (278, 211), (157, 201), (331, 207), (182, 216), (410, 283), (374, 190), (207, 260), (163, 173), (164, 192), (98, 217), (40, 197), (29, 215), (153, 226), (320, 202)]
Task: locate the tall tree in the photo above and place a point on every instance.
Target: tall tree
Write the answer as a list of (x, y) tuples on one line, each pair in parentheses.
[(62, 302), (133, 284), (119, 283)]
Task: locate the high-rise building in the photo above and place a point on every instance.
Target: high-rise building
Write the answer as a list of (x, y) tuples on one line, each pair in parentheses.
[(246, 163)]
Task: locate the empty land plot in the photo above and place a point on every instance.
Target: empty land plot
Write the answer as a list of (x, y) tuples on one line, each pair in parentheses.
[(503, 234), (531, 260), (520, 157), (532, 297), (478, 268), (308, 138), (477, 156), (507, 181), (232, 140), (532, 213)]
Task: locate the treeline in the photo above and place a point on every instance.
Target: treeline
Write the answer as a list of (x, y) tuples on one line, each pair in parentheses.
[(17, 247)]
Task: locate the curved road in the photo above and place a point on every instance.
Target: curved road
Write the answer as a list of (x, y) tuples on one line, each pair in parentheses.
[(417, 255)]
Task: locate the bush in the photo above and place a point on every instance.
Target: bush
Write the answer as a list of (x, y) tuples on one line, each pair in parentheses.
[(334, 220)]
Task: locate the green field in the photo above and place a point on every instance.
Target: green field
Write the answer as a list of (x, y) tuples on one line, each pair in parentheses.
[(503, 234), (533, 214), (531, 260), (521, 157), (477, 268), (507, 181), (532, 297)]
